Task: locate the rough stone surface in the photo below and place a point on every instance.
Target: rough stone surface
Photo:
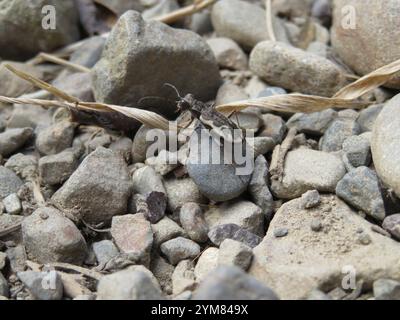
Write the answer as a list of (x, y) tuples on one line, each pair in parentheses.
[(207, 263), (166, 229), (386, 289), (179, 249), (245, 214), (98, 189), (217, 180), (287, 264), (228, 53), (314, 123), (25, 166), (308, 170), (25, 19), (244, 23), (132, 234), (357, 149), (376, 24), (231, 283), (282, 65), (192, 220), (35, 282), (360, 188), (104, 251), (4, 289), (163, 271), (258, 187), (311, 199), (338, 131), (232, 231), (13, 139), (12, 204), (50, 237), (392, 225), (385, 145), (274, 127), (368, 116), (9, 182), (55, 138), (235, 253), (181, 191), (183, 277), (56, 169), (128, 285), (146, 180), (139, 57)]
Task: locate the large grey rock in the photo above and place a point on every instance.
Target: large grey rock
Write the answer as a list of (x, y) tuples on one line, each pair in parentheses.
[(360, 188), (385, 145), (13, 139), (128, 284), (216, 176), (98, 190), (25, 19), (231, 283), (139, 57), (308, 170), (244, 23), (375, 24), (288, 67), (245, 214), (50, 237), (43, 285), (295, 265), (9, 182)]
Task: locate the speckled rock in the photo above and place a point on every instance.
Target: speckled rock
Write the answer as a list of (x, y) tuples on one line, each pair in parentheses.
[(314, 123), (228, 53), (287, 264), (55, 138), (13, 139), (338, 131), (192, 220), (206, 264), (9, 182), (179, 249), (55, 169), (235, 253)]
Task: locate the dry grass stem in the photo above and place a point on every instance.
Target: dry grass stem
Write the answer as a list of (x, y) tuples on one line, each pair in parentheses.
[(270, 25)]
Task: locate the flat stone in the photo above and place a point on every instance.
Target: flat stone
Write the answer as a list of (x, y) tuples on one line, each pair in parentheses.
[(55, 138), (282, 65), (9, 182), (207, 263), (338, 131), (13, 139), (235, 253), (192, 220), (228, 53), (128, 285), (315, 123), (181, 191), (43, 285), (179, 249), (232, 231), (287, 264), (56, 169), (12, 204), (132, 234), (360, 188), (166, 229), (308, 170), (244, 214), (50, 237), (231, 283), (98, 189)]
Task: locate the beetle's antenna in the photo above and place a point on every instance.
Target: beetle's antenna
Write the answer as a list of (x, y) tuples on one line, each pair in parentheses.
[(173, 87)]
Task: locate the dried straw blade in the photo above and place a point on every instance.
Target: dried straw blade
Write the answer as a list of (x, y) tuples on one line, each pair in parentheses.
[(345, 98), (146, 117)]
